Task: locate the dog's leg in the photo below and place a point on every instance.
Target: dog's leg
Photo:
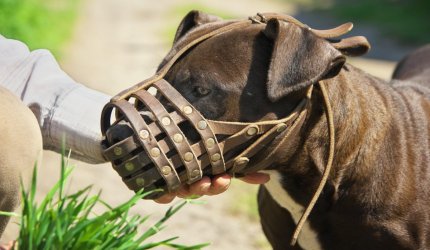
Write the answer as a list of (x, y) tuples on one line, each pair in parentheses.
[(20, 147)]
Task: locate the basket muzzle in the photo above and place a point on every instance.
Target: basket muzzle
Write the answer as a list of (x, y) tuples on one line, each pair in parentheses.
[(175, 144), (163, 151)]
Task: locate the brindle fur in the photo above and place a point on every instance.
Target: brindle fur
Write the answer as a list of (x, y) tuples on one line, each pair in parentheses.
[(378, 193)]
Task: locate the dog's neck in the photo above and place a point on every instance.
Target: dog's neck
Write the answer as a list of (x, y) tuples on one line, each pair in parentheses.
[(357, 123)]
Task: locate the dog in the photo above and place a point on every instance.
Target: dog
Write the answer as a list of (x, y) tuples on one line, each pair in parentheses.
[(378, 192)]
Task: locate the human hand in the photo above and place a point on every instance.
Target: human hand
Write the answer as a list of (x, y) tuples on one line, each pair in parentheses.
[(214, 186), (205, 186)]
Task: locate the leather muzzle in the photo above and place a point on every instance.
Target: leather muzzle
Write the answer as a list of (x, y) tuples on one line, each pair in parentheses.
[(163, 151), (162, 154)]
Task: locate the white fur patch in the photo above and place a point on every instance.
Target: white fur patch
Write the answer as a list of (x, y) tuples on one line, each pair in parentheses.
[(308, 237)]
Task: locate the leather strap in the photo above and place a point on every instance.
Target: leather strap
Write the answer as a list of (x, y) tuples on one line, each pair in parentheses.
[(198, 121), (150, 144), (177, 138)]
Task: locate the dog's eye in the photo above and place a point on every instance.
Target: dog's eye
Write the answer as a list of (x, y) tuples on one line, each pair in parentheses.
[(199, 91)]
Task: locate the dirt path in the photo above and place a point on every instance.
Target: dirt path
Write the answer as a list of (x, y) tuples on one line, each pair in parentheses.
[(117, 44)]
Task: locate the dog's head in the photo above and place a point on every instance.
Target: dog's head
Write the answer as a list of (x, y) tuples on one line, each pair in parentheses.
[(256, 73), (260, 71)]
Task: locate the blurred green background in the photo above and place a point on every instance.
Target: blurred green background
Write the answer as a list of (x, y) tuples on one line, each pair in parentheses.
[(38, 23), (405, 20)]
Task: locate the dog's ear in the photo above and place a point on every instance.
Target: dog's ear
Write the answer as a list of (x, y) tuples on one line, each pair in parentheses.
[(353, 46), (193, 19), (299, 59)]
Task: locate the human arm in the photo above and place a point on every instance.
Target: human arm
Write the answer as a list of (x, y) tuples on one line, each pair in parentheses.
[(62, 106)]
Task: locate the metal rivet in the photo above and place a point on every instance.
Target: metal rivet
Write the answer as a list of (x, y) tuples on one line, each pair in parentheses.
[(281, 127), (241, 162), (202, 124), (187, 110), (215, 157), (140, 181), (210, 143), (188, 156), (195, 173), (143, 134), (178, 138), (117, 151), (165, 121), (155, 152), (166, 170), (129, 166), (252, 131)]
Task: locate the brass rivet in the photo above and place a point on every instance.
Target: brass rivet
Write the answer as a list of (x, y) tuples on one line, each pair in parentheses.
[(188, 156), (178, 138), (202, 124), (195, 173), (155, 152), (144, 134), (140, 181), (166, 170), (210, 143), (281, 127), (117, 151), (215, 157), (129, 166), (241, 161), (252, 131), (187, 110), (165, 121)]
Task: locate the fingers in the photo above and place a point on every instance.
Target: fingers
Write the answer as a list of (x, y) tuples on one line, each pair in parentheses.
[(219, 185), (167, 198), (201, 187), (255, 178), (208, 186)]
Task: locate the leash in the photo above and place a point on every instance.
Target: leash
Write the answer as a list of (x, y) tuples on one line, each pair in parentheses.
[(326, 173)]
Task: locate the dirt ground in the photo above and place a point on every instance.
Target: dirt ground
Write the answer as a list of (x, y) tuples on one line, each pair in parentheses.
[(118, 43)]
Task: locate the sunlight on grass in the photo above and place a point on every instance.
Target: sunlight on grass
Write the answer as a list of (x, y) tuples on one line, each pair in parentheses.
[(68, 221), (38, 23)]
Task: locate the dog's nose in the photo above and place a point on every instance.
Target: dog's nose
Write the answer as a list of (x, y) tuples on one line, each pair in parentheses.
[(118, 132)]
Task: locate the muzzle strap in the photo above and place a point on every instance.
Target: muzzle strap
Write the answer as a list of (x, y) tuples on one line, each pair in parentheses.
[(149, 143), (201, 125), (174, 134)]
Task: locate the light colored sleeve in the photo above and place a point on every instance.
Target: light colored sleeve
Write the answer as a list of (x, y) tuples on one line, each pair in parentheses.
[(61, 106)]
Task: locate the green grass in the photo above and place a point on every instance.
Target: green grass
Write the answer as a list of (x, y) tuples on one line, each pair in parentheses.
[(67, 221), (177, 12), (38, 23), (406, 20)]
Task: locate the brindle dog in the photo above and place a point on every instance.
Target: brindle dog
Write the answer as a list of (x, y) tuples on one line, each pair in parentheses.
[(378, 192)]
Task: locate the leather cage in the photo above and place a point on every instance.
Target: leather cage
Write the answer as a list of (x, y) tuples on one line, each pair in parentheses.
[(175, 144)]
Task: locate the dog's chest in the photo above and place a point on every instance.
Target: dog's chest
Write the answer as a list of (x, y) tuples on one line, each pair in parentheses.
[(308, 237)]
